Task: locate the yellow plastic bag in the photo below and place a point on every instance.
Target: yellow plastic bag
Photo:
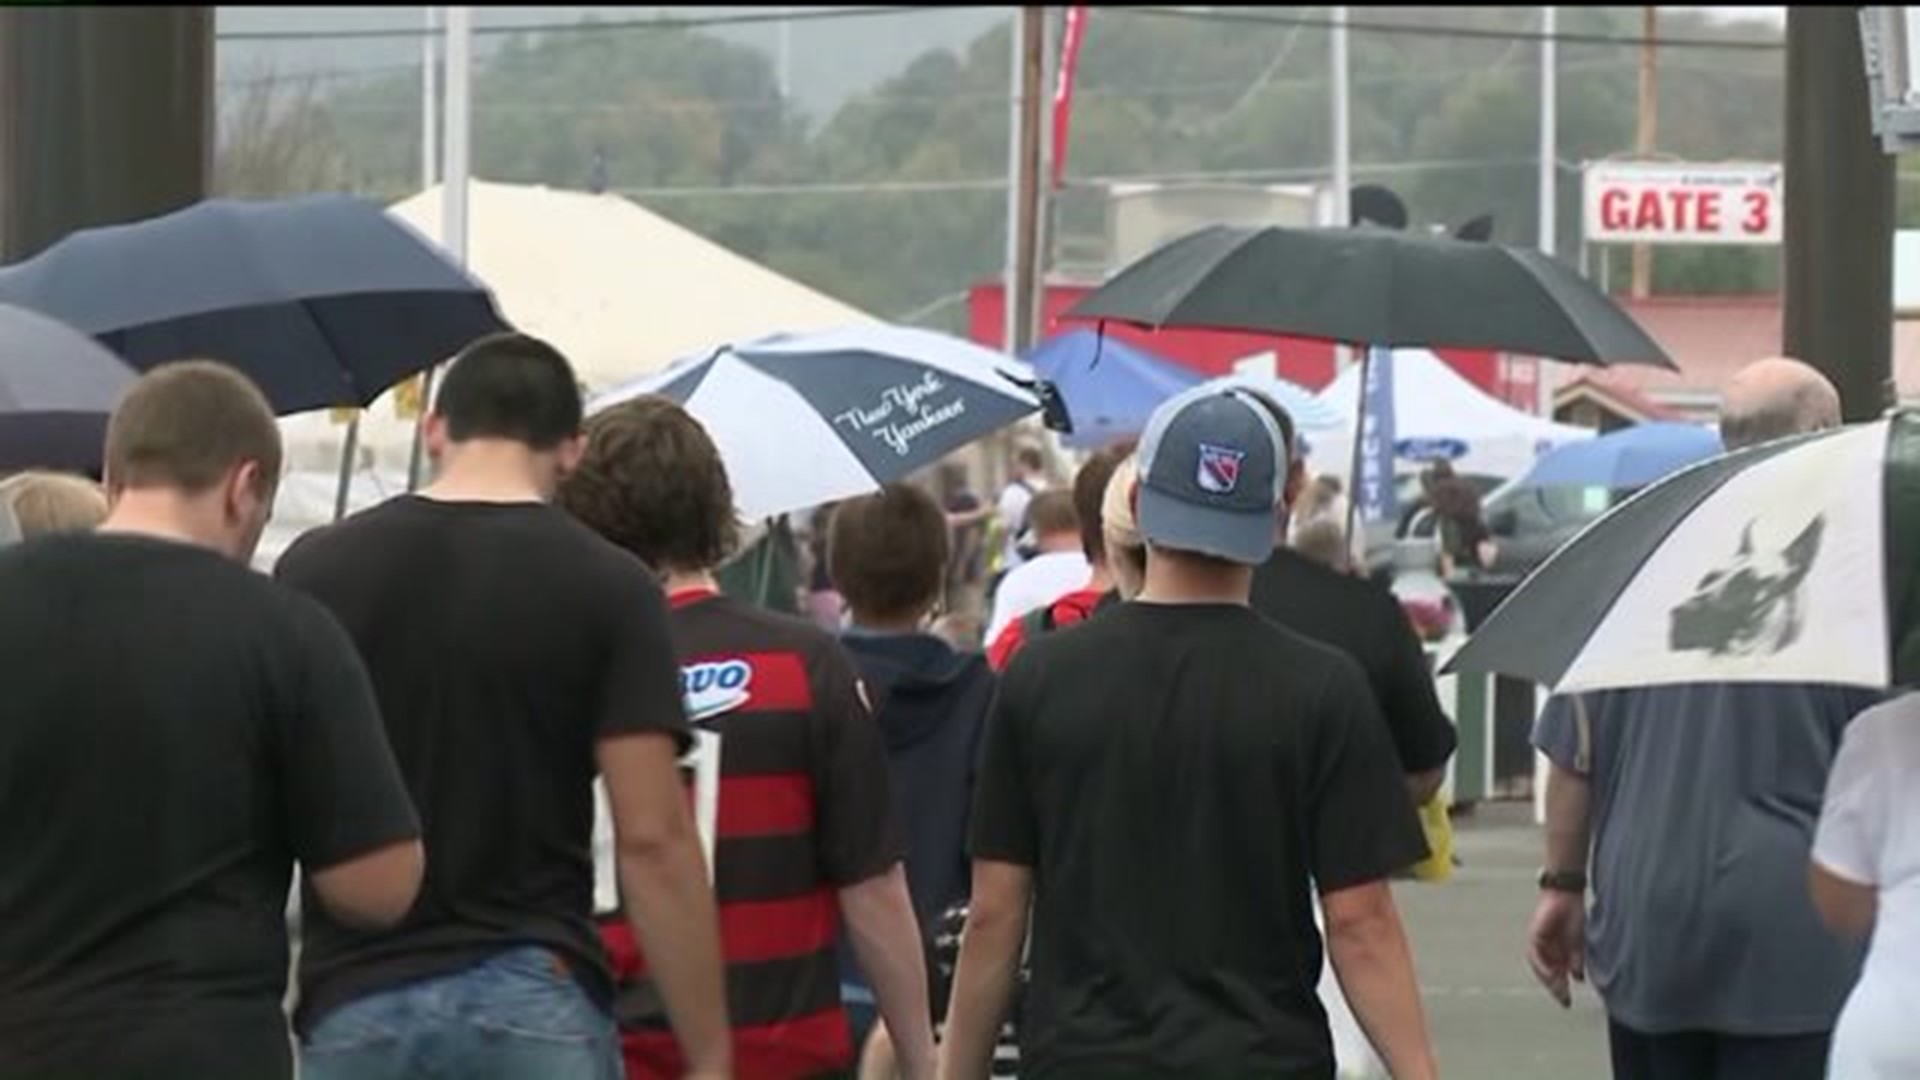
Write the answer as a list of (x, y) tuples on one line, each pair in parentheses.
[(1438, 825)]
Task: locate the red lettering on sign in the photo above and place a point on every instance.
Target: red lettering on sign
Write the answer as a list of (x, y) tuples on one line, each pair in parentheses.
[(1707, 211), (1613, 209), (1759, 209), (1647, 214)]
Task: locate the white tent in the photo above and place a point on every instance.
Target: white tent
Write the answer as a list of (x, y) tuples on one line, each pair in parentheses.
[(1433, 401), (619, 289)]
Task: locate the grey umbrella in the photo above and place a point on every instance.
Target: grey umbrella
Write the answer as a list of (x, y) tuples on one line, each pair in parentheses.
[(57, 388), (322, 300)]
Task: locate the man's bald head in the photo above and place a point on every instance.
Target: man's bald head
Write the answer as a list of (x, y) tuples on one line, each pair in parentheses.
[(1774, 398)]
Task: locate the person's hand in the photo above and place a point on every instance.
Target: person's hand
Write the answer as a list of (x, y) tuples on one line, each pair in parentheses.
[(1557, 942)]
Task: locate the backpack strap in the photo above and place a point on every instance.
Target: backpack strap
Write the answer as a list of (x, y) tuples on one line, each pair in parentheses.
[(1037, 622)]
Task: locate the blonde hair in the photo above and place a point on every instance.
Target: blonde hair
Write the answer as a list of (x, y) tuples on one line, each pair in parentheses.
[(48, 502), (1126, 548)]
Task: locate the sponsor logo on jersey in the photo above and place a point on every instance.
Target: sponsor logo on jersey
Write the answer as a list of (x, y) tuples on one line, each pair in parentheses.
[(715, 687)]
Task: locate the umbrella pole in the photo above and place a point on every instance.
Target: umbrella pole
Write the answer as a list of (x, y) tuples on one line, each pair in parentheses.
[(1359, 452), (348, 448)]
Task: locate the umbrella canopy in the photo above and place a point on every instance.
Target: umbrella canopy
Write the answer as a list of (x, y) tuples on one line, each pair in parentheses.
[(1629, 458), (57, 388), (1789, 562), (807, 419), (1110, 386), (322, 300), (1367, 286)]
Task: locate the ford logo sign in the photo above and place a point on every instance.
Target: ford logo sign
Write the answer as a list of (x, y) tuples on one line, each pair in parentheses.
[(1431, 449)]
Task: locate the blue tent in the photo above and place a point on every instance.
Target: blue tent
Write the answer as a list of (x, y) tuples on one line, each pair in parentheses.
[(1110, 386)]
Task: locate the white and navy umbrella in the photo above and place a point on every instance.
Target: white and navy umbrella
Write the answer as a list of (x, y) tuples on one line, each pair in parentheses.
[(806, 419), (1790, 562)]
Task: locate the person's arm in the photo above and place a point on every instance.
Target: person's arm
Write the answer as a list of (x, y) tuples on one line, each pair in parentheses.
[(1363, 830), (1368, 949), (861, 849), (663, 883), (1422, 733), (1557, 936), (353, 825), (641, 730), (886, 940), (984, 981), (1852, 834)]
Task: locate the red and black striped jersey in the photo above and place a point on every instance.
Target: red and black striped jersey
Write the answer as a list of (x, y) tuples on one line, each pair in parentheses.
[(802, 810)]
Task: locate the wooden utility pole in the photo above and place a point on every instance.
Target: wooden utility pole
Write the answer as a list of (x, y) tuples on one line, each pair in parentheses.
[(1644, 138), (1838, 231), (106, 116), (1026, 263)]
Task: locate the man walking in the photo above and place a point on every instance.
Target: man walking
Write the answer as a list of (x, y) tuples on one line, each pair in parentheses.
[(804, 837), (179, 731), (1696, 808), (1167, 784), (513, 652)]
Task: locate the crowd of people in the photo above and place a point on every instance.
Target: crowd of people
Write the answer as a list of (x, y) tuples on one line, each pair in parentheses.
[(562, 808)]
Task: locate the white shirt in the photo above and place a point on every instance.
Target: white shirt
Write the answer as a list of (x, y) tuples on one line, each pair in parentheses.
[(1036, 584), (1013, 518), (1870, 835)]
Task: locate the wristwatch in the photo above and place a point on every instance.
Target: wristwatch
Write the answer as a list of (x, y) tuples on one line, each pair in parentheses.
[(1568, 881)]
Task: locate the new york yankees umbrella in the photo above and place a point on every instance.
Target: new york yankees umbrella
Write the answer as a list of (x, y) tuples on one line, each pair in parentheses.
[(806, 419), (1789, 562)]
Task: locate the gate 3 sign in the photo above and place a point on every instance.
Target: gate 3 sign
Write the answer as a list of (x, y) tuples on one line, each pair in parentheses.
[(1661, 203)]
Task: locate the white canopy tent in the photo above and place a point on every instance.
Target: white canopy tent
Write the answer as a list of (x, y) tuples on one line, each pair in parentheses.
[(619, 289), (1433, 401)]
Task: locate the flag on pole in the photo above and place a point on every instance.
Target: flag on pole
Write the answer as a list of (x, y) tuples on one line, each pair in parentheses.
[(1377, 439), (1076, 29)]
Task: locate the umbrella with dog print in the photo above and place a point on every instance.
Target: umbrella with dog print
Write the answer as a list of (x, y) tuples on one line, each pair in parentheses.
[(1789, 562)]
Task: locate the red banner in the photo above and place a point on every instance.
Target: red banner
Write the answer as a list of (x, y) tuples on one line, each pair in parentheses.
[(1063, 89)]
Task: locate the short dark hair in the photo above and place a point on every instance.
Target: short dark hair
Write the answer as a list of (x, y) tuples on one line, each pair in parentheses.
[(185, 425), (1090, 494), (652, 482), (887, 552), (1051, 513), (1029, 456), (511, 386)]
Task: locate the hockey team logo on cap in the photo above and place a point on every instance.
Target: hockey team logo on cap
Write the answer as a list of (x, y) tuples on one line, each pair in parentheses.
[(1219, 469), (716, 687)]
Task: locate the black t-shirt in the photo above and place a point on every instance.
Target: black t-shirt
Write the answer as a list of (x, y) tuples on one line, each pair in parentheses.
[(1363, 620), (1179, 778), (178, 730), (504, 641)]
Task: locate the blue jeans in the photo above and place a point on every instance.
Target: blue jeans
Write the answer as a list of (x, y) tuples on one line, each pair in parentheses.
[(517, 1016)]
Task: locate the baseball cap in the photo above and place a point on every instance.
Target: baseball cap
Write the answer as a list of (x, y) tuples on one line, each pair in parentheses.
[(1212, 471)]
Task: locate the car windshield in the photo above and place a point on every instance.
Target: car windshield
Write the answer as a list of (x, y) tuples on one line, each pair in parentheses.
[(1545, 509)]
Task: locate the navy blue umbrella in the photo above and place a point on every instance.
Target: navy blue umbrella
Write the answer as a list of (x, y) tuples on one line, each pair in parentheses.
[(323, 300), (57, 388), (1111, 387), (1629, 458)]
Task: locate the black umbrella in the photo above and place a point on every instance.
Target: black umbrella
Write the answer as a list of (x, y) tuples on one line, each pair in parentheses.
[(57, 388), (323, 300), (1366, 286)]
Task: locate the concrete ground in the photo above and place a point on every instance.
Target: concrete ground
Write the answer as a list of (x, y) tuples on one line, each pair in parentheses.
[(1490, 1019)]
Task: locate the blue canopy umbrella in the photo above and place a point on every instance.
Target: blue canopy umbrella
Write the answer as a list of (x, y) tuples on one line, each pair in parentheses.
[(323, 300), (1110, 386), (1629, 458), (57, 388)]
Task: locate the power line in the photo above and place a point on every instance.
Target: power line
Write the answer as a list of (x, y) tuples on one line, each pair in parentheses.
[(674, 22), (1441, 30)]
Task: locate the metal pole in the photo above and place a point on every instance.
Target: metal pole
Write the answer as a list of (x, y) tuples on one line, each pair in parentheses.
[(1342, 155), (1839, 208), (453, 194), (430, 101), (1644, 138), (1010, 287), (1544, 373), (1342, 133), (785, 51), (1033, 39)]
